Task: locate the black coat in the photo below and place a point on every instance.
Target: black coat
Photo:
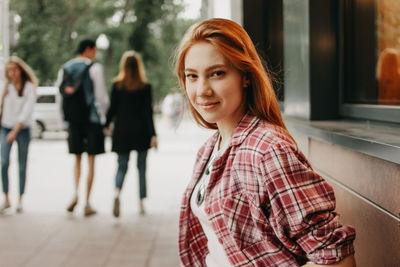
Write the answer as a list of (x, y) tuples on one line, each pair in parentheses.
[(132, 114)]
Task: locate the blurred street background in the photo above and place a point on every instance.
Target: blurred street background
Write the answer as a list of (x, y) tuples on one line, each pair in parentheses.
[(45, 34), (46, 235)]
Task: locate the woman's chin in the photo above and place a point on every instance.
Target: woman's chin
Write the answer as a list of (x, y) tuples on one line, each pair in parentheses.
[(208, 118)]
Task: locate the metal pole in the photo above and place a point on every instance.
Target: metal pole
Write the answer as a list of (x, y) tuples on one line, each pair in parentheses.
[(4, 38)]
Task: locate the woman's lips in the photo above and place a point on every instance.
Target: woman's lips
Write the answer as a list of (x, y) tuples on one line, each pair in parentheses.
[(208, 105)]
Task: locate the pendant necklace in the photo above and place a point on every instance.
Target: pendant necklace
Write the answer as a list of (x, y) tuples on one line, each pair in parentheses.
[(202, 187), (200, 195)]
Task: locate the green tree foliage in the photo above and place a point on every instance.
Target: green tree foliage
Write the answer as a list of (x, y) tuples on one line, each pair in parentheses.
[(51, 29), (47, 31), (156, 36)]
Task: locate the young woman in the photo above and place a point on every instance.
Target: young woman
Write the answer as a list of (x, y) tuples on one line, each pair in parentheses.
[(132, 113), (18, 99), (254, 199)]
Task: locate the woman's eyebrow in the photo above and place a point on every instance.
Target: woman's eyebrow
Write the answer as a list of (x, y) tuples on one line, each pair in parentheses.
[(190, 70), (216, 66)]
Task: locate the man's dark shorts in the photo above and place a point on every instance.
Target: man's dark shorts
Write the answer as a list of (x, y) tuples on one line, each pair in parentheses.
[(85, 137)]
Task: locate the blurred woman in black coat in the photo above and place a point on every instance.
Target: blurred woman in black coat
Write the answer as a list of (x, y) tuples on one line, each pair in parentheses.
[(132, 114)]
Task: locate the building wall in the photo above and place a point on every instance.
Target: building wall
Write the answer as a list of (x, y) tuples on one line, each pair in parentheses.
[(366, 190), (366, 187), (366, 183), (296, 58)]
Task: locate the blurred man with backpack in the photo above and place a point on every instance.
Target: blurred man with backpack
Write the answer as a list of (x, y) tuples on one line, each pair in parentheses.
[(84, 104)]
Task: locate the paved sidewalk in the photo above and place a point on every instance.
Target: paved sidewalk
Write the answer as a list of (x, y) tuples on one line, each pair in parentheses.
[(46, 235)]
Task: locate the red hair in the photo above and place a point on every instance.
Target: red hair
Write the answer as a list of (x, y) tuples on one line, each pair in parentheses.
[(235, 45)]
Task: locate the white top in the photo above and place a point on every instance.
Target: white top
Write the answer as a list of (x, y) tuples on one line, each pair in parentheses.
[(19, 108), (216, 256), (99, 86)]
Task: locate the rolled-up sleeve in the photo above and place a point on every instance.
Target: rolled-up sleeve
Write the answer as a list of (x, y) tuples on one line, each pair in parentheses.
[(302, 207)]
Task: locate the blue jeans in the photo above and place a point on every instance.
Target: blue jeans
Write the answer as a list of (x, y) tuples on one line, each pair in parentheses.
[(123, 160), (23, 139)]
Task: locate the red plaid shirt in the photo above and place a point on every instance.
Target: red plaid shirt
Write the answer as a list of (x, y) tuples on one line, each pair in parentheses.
[(265, 203)]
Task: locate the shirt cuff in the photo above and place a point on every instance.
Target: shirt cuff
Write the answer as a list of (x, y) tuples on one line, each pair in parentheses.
[(331, 256)]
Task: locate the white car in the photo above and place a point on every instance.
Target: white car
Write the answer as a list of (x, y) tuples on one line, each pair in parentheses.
[(47, 112)]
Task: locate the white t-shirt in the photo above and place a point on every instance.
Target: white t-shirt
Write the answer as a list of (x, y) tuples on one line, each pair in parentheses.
[(19, 108), (216, 256)]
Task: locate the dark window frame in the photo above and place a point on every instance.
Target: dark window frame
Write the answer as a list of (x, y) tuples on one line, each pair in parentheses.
[(263, 21)]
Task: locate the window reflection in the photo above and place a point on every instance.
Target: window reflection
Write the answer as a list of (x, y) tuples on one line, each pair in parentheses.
[(388, 75), (388, 59)]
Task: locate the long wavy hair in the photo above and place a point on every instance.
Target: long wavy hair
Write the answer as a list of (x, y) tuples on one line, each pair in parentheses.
[(235, 45), (131, 74), (27, 73)]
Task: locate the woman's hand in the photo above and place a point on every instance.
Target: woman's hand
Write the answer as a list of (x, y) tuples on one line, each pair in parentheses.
[(11, 136), (107, 131), (153, 142)]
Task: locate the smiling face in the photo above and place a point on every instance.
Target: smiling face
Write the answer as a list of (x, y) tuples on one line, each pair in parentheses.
[(214, 87)]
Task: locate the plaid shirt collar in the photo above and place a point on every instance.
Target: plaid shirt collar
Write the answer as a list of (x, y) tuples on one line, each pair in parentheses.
[(241, 131)]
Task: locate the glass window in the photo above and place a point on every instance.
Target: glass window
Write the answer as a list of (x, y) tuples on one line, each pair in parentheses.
[(370, 59), (46, 99)]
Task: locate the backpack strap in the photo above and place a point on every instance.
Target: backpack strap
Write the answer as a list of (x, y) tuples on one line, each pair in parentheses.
[(76, 83), (82, 75)]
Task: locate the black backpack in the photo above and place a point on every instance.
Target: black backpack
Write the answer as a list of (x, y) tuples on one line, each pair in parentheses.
[(74, 105)]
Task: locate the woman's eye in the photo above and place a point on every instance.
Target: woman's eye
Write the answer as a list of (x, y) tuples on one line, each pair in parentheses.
[(218, 73), (191, 76)]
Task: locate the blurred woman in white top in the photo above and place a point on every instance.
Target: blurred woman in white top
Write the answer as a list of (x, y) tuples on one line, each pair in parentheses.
[(18, 99)]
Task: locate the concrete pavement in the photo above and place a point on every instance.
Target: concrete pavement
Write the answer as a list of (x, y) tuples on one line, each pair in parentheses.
[(46, 235)]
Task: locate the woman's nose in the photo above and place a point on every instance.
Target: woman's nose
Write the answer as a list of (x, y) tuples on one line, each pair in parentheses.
[(204, 88)]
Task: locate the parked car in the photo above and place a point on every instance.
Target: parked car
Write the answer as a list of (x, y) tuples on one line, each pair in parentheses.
[(47, 112)]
